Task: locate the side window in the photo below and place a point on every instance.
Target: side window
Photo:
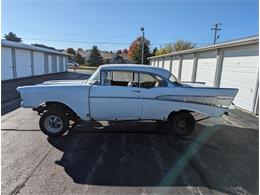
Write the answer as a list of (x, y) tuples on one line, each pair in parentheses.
[(146, 80), (150, 81), (120, 78), (106, 77)]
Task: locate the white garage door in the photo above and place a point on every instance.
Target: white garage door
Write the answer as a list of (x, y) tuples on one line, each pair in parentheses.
[(49, 63), (175, 66), (154, 62), (23, 63), (240, 69), (60, 65), (187, 66), (7, 63), (65, 63), (167, 62), (38, 61), (160, 62), (206, 67), (54, 64)]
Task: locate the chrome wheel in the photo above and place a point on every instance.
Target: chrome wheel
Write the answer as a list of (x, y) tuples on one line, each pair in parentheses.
[(180, 125), (53, 123)]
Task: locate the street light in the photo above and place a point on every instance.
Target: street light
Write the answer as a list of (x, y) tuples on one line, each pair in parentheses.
[(142, 29)]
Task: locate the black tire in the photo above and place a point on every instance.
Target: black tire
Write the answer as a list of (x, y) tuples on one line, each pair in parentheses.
[(181, 124), (51, 128)]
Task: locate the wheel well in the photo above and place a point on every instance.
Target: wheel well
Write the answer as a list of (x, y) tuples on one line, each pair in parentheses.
[(175, 112), (57, 106)]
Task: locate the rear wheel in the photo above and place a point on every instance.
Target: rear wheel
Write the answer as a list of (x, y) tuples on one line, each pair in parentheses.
[(181, 124), (54, 123)]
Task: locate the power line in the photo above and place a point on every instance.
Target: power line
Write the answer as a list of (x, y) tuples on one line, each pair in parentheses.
[(92, 42)]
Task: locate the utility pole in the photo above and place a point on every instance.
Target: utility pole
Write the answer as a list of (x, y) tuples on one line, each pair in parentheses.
[(216, 29), (142, 29)]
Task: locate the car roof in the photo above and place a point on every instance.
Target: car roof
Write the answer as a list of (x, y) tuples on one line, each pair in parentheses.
[(137, 67)]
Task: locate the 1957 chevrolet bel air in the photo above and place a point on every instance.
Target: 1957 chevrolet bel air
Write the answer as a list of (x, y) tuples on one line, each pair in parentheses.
[(124, 92)]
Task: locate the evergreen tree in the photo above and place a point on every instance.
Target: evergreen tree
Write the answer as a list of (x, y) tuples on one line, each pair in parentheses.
[(12, 37), (80, 59), (95, 59)]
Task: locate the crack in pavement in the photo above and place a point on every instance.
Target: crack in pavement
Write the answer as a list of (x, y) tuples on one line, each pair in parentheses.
[(19, 187)]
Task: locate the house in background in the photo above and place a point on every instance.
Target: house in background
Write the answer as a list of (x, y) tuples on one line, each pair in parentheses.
[(108, 57), (120, 58)]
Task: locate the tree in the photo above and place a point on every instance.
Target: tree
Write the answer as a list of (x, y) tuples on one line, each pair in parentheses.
[(154, 51), (179, 45), (12, 37), (71, 51), (183, 45), (135, 51), (80, 59), (95, 59)]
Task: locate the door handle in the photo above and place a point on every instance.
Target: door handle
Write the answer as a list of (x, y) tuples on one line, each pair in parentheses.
[(137, 91)]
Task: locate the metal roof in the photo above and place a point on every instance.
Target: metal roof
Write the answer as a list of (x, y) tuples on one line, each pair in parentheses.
[(136, 67), (232, 43), (7, 43)]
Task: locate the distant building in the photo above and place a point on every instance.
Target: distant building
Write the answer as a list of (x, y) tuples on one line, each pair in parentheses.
[(20, 60), (120, 59), (108, 57)]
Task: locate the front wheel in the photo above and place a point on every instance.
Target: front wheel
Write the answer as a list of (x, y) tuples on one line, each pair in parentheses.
[(53, 123), (182, 123)]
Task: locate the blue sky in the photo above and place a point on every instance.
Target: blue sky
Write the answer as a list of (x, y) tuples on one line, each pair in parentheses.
[(114, 24)]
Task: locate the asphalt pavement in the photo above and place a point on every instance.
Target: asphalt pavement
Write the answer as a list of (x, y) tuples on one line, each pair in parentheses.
[(219, 157)]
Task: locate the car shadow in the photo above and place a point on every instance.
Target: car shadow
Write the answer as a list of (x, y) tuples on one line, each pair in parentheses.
[(220, 157)]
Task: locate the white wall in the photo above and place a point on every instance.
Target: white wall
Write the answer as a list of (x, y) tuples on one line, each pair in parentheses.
[(175, 66), (206, 67), (240, 70), (6, 63), (38, 61), (167, 63), (23, 63), (187, 66), (160, 63)]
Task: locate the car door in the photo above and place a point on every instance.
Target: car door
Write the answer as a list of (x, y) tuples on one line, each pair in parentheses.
[(113, 99), (151, 87)]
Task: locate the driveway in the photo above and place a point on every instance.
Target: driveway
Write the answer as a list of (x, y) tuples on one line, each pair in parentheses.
[(221, 156)]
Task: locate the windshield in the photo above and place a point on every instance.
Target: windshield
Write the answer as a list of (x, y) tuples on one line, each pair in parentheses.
[(95, 78), (174, 80)]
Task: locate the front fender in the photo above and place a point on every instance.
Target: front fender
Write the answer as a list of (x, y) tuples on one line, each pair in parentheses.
[(75, 97)]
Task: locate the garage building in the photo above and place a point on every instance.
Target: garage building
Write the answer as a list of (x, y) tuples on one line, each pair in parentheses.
[(228, 64), (21, 60)]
